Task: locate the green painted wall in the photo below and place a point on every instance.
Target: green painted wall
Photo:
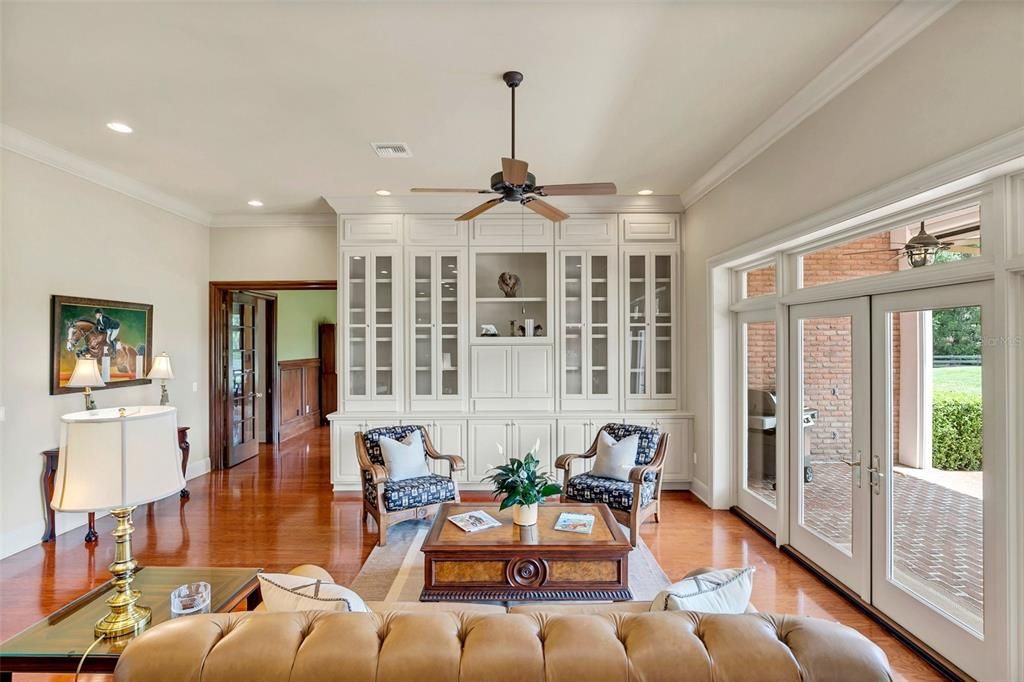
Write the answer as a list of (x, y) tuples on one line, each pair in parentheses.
[(298, 314)]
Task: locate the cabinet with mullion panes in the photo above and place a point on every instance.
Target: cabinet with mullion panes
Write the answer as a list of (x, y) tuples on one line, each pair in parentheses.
[(437, 317), (650, 285)]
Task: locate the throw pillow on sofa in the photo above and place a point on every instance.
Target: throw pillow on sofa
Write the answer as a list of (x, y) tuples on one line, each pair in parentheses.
[(615, 459), (405, 458), (286, 592), (723, 591)]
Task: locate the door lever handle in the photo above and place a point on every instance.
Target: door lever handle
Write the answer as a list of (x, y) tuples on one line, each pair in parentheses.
[(876, 475), (854, 464)]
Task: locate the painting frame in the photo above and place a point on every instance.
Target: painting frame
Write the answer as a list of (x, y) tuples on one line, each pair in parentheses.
[(58, 339)]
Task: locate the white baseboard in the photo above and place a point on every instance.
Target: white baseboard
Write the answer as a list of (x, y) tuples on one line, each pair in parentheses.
[(700, 490), (197, 468)]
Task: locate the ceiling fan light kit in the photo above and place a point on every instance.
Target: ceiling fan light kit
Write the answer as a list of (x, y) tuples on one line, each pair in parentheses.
[(514, 182)]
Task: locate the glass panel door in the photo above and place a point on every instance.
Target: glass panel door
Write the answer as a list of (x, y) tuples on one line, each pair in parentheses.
[(451, 325), (638, 324), (830, 427), (423, 285), (357, 325), (383, 326), (573, 343), (663, 316), (242, 377), (758, 417), (600, 311), (938, 514)]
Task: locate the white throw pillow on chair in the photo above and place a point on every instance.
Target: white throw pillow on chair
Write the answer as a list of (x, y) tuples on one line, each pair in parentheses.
[(406, 458), (615, 459)]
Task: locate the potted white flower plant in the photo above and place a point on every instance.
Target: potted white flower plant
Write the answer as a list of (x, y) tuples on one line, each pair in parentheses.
[(524, 486)]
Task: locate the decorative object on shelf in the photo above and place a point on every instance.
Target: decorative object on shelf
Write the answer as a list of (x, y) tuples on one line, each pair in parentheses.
[(515, 184), (524, 486), (509, 283), (162, 370), (114, 332), (117, 459), (86, 376), (488, 330), (538, 330)]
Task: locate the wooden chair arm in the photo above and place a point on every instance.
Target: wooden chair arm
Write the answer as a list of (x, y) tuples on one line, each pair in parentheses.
[(565, 461), (458, 464), (378, 474), (637, 474)]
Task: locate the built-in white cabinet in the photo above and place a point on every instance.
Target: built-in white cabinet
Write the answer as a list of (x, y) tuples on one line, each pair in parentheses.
[(679, 456), (512, 295), (344, 462), (371, 326), (588, 230), (512, 230), (589, 344), (494, 441), (649, 227), (512, 378), (370, 229), (651, 313), (449, 438), (437, 364)]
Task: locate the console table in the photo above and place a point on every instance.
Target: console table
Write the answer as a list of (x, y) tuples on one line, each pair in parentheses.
[(50, 473)]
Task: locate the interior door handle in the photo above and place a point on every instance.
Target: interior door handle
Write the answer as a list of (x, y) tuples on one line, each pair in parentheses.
[(876, 475)]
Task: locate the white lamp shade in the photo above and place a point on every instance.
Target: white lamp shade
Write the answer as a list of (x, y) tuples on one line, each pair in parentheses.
[(86, 373), (161, 368), (109, 461)]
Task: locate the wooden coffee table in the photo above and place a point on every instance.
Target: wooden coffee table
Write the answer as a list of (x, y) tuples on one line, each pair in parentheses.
[(56, 643), (535, 563)]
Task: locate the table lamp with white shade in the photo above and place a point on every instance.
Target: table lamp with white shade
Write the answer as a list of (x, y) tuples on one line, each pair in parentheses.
[(116, 459), (86, 375), (161, 370)]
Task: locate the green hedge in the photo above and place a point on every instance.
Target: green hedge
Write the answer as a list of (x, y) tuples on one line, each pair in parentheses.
[(956, 432)]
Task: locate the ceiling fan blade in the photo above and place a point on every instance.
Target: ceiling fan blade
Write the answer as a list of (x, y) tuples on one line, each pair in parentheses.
[(858, 253), (545, 209), (513, 171), (486, 206), (578, 189), (460, 190)]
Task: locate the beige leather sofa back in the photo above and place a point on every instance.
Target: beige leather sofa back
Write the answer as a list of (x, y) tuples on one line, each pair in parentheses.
[(500, 647)]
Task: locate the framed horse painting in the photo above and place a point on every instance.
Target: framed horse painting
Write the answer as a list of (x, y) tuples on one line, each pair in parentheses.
[(118, 334)]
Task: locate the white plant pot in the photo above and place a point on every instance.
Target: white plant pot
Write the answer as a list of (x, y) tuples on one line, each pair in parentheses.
[(524, 515)]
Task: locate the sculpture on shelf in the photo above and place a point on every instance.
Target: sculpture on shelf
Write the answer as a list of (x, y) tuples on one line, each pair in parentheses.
[(488, 330), (509, 283)]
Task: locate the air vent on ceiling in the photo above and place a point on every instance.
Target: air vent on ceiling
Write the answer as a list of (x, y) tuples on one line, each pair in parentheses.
[(391, 150)]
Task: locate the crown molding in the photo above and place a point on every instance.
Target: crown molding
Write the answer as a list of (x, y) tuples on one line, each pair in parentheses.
[(274, 220), (453, 205), (33, 148), (892, 31)]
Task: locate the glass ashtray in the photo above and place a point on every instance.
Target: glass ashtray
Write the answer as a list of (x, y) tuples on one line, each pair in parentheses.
[(189, 599)]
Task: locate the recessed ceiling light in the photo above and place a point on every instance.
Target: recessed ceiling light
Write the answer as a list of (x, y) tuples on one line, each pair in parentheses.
[(383, 192), (645, 192), (119, 127), (255, 203)]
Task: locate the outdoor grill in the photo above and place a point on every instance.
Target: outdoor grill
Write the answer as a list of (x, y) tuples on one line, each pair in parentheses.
[(761, 436)]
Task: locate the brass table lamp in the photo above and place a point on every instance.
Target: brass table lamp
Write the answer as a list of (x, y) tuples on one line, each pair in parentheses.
[(161, 370), (116, 459), (86, 374)]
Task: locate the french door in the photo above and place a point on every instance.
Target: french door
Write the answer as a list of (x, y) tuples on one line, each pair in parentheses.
[(830, 471), (897, 462), (242, 397)]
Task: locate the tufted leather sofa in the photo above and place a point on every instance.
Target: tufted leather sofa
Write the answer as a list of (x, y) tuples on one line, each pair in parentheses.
[(449, 642)]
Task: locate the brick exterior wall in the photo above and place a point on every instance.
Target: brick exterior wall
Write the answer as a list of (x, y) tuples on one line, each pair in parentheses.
[(827, 359)]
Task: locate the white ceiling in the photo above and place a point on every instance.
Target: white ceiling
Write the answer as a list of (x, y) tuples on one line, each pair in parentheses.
[(235, 100)]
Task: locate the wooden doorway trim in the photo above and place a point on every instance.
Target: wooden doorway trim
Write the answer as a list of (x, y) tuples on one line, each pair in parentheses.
[(218, 354)]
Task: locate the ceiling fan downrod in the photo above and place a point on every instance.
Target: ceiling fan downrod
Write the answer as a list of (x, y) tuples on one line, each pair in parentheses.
[(512, 80)]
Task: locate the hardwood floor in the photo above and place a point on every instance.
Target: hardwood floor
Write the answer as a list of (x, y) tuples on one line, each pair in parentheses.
[(277, 511)]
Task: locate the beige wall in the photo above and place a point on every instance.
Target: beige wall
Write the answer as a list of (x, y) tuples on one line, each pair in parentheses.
[(957, 84), (65, 235), (273, 253)]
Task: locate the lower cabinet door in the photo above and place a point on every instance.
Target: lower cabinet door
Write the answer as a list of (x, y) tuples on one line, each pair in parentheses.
[(485, 437), (344, 462), (532, 372), (574, 437), (449, 438), (530, 433)]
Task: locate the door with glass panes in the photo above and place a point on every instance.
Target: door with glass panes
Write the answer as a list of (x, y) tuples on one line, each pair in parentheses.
[(437, 318), (650, 299), (587, 316), (371, 328)]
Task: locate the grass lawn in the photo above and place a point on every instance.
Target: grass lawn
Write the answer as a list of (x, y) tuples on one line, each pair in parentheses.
[(957, 380)]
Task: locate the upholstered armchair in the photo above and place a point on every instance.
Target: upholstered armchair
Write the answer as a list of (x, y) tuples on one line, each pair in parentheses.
[(390, 502), (630, 502)]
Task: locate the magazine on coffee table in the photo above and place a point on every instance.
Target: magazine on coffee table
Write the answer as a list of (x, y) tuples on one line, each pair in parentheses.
[(473, 521), (575, 523)]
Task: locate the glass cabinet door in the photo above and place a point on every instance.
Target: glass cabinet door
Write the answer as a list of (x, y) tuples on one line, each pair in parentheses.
[(450, 324), (423, 325), (637, 323), (662, 318), (599, 356), (383, 326), (573, 360), (357, 325)]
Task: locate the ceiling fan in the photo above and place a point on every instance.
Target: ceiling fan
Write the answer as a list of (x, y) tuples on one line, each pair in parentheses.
[(921, 249), (514, 183)]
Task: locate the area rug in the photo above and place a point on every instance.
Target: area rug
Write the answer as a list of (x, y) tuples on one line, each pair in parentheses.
[(395, 572)]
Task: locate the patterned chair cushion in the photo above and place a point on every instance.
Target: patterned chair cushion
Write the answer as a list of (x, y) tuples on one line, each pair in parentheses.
[(371, 439), (413, 492), (616, 494), (649, 437)]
